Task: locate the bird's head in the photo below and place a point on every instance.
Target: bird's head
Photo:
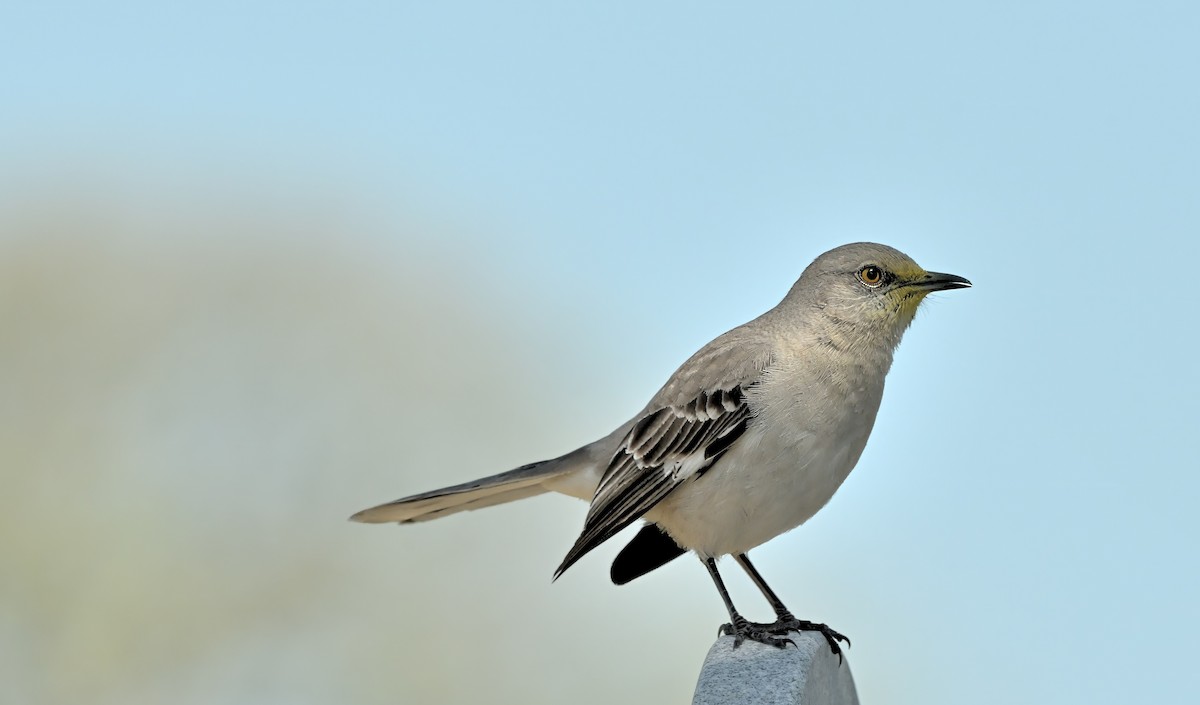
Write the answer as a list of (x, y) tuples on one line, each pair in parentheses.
[(869, 287)]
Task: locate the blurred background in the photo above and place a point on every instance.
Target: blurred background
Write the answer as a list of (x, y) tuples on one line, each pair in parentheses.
[(263, 265)]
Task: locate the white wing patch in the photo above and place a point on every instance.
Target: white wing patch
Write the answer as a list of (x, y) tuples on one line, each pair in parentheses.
[(684, 468)]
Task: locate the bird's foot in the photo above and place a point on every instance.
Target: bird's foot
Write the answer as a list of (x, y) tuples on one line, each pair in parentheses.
[(742, 629), (787, 623)]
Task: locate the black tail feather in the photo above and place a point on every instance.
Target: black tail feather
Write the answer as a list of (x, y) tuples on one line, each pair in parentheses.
[(652, 548)]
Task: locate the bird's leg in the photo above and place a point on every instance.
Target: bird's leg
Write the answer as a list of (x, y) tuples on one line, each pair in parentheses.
[(739, 627), (781, 612), (785, 621)]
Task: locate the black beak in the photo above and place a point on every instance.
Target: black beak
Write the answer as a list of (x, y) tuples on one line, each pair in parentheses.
[(936, 281)]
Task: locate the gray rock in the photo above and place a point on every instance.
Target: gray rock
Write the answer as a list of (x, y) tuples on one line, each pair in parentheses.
[(756, 673)]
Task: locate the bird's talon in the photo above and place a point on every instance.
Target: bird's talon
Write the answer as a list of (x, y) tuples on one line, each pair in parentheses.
[(742, 630), (786, 626)]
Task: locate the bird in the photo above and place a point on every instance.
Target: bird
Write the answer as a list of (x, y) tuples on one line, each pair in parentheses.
[(747, 440)]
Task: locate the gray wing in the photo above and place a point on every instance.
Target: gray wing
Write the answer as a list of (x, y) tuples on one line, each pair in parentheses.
[(662, 451), (676, 439)]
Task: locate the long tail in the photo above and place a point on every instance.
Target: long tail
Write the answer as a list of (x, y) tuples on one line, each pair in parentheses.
[(525, 481)]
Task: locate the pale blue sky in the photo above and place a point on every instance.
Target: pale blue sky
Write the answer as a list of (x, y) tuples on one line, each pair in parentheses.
[(623, 181)]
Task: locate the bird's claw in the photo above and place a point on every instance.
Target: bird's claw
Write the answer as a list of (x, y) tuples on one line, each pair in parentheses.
[(742, 630), (787, 623)]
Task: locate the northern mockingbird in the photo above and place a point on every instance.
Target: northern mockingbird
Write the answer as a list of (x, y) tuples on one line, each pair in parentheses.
[(747, 440)]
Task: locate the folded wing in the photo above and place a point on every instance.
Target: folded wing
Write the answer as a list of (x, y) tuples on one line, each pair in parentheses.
[(665, 448)]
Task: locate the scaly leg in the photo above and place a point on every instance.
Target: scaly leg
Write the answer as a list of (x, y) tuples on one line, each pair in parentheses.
[(785, 621), (739, 627)]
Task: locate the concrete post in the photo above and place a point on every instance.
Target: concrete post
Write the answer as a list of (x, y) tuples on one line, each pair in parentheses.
[(807, 674)]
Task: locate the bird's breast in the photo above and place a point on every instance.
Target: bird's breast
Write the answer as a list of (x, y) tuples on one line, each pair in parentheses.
[(806, 434)]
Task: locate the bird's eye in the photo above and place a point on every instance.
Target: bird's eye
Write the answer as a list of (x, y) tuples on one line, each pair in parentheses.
[(871, 275)]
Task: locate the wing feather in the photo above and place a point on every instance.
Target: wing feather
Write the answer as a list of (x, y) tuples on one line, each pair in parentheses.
[(666, 448)]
